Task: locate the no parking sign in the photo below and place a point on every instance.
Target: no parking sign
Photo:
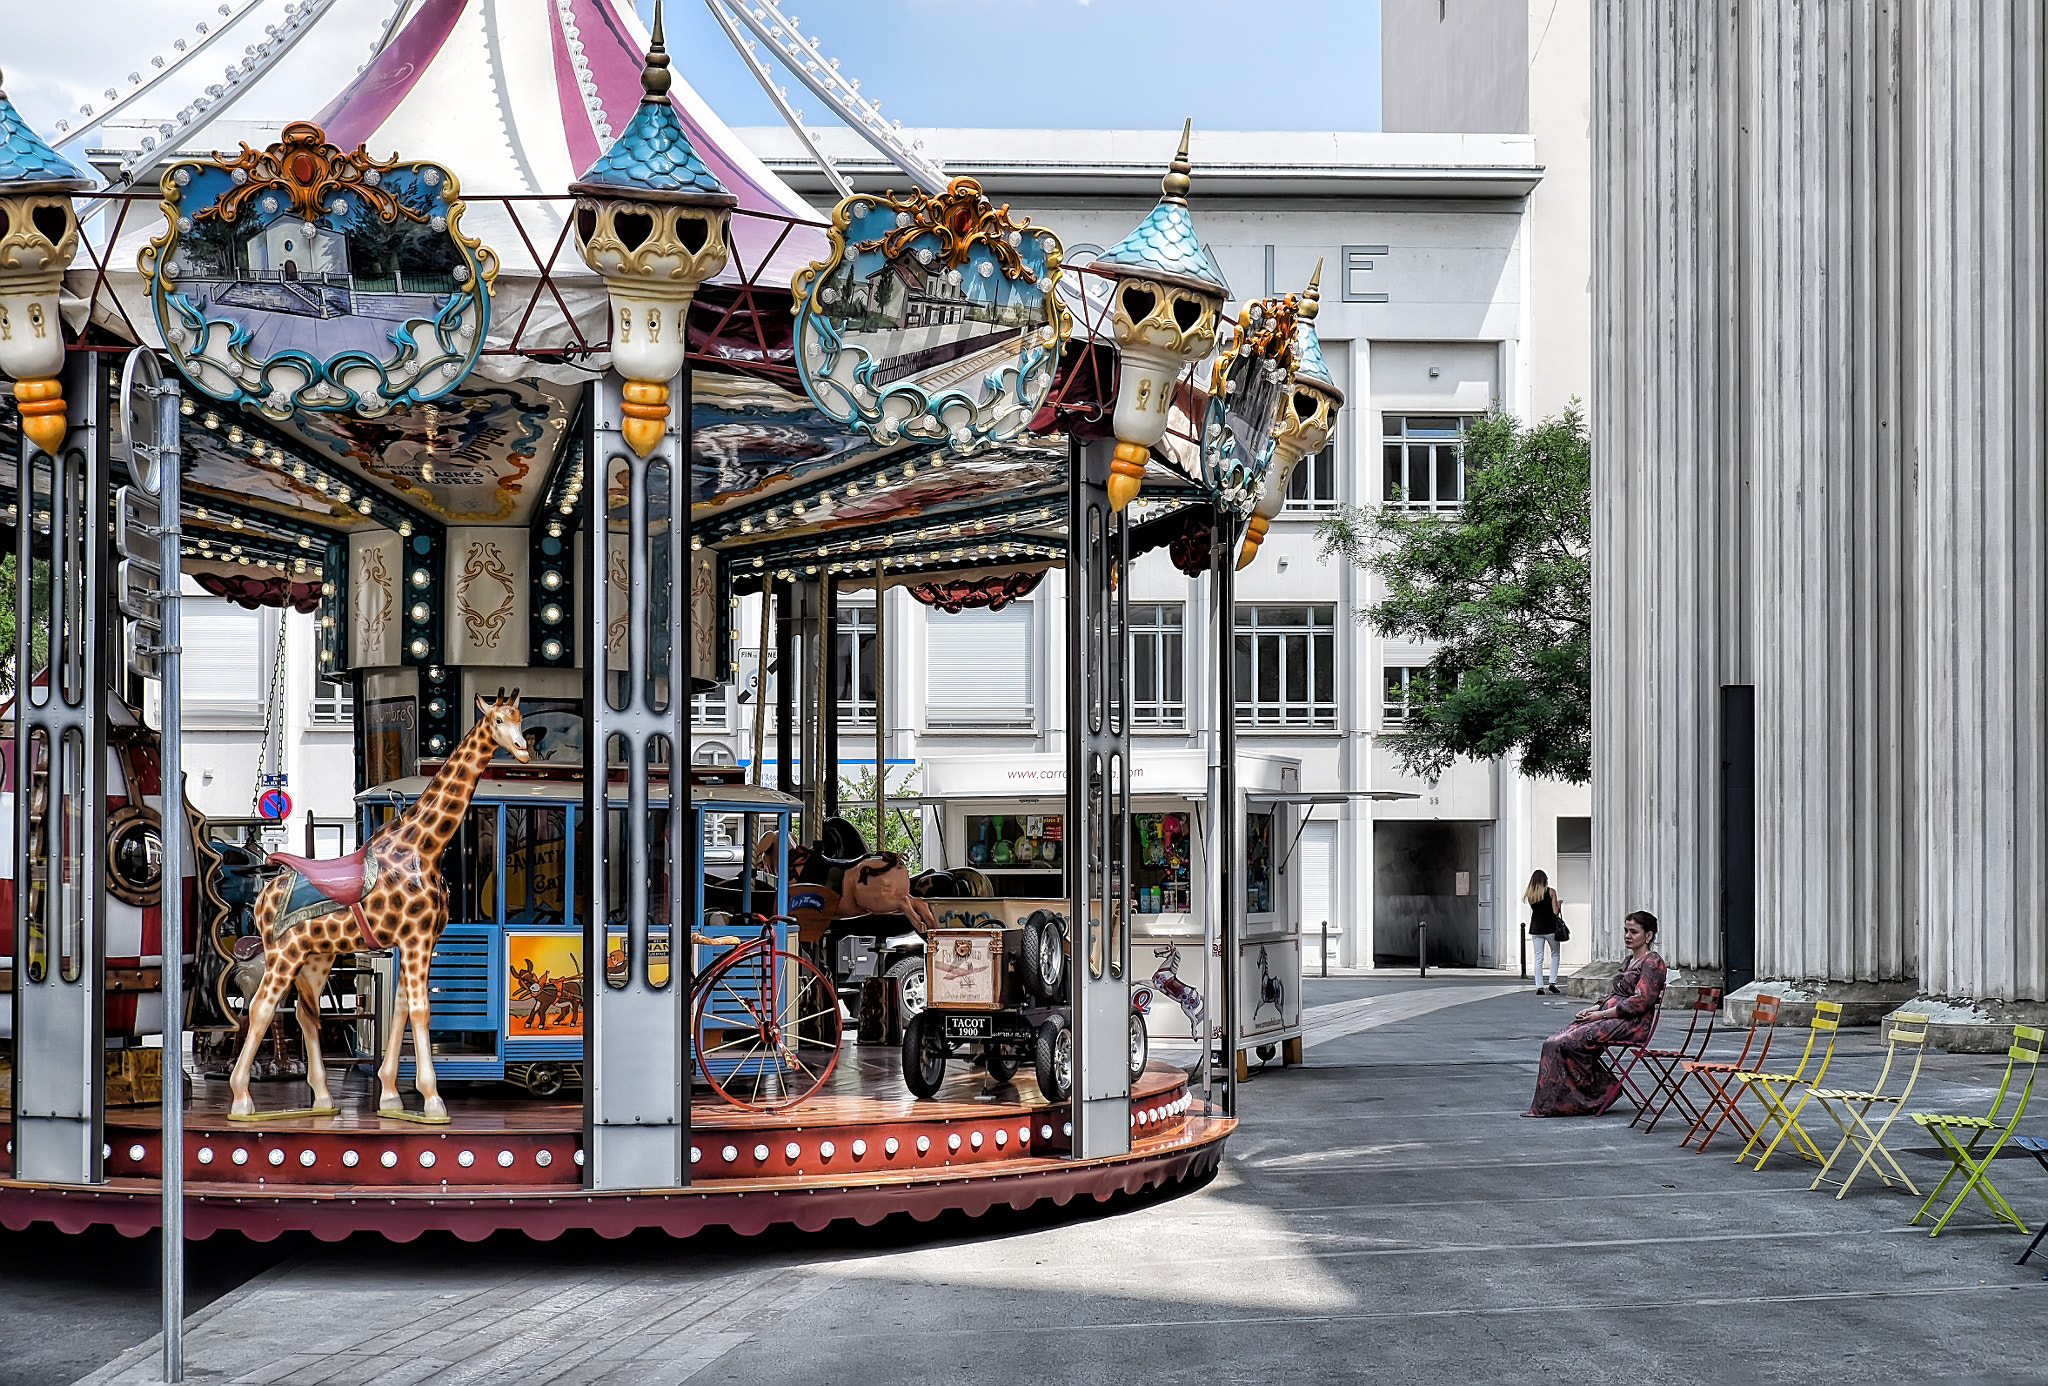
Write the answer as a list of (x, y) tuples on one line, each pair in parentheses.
[(275, 803)]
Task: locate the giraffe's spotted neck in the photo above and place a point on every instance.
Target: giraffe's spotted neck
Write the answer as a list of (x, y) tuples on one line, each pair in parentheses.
[(431, 822)]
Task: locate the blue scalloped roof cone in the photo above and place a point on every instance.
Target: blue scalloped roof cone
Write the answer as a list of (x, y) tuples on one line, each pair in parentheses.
[(1308, 347), (1164, 243), (652, 158), (27, 163)]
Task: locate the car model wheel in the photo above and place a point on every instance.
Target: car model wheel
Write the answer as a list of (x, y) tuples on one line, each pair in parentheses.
[(1002, 1066), (1141, 1046), (909, 975), (924, 1055), (1045, 955), (1055, 1059)]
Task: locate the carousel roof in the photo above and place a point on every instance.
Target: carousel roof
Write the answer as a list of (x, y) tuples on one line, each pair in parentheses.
[(28, 164), (654, 157)]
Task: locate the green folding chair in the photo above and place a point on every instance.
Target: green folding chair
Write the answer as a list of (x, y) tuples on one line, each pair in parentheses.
[(1776, 1091), (1963, 1156), (1850, 1108)]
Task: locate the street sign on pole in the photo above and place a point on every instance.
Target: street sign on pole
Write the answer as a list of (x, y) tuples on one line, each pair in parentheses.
[(275, 803)]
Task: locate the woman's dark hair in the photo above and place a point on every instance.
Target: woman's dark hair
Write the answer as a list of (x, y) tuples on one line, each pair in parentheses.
[(1645, 919)]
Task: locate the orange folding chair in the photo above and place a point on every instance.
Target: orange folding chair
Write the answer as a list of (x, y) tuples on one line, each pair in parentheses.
[(1719, 1091)]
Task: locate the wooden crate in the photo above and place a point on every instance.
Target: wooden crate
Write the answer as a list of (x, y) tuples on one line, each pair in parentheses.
[(974, 969)]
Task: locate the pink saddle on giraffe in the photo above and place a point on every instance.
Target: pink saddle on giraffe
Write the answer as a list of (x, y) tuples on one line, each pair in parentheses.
[(340, 879)]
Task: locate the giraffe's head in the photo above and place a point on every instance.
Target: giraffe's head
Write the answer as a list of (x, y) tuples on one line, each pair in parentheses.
[(502, 717)]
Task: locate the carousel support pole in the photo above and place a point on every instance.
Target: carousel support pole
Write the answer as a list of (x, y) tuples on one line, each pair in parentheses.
[(881, 702), (61, 758), (755, 773), (1098, 790), (171, 908), (828, 701), (1225, 826), (786, 680), (636, 1109)]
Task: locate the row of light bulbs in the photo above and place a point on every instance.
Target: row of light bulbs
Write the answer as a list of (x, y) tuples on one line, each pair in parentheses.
[(912, 562), (773, 518)]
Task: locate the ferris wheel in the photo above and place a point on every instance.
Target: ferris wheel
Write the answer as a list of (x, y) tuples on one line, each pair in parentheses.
[(760, 32)]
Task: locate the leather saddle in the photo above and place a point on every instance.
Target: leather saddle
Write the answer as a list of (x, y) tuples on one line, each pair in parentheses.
[(340, 879)]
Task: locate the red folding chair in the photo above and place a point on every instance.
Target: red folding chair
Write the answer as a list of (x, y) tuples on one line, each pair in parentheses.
[(1719, 1089), (1667, 1064), (1624, 1076)]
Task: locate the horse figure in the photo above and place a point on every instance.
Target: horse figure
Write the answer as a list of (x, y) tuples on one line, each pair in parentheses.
[(388, 893), (857, 881), (1272, 991), (1166, 980), (540, 988)]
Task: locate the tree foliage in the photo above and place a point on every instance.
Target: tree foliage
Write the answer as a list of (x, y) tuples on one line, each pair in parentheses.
[(905, 827), (1503, 589), (39, 653)]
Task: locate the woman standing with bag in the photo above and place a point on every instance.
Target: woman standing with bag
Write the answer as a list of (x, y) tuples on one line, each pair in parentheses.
[(1546, 927)]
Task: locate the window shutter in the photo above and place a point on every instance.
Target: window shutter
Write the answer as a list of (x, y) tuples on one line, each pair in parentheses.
[(225, 658), (978, 667)]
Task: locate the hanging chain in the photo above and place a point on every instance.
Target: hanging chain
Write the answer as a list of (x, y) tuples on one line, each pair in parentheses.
[(271, 758)]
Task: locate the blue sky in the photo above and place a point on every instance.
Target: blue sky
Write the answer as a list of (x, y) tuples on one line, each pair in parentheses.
[(1067, 64)]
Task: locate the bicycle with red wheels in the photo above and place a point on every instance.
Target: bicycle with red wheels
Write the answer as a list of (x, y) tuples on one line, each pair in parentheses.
[(766, 1018)]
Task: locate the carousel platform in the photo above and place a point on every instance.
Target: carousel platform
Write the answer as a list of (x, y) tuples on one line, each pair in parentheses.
[(863, 1149)]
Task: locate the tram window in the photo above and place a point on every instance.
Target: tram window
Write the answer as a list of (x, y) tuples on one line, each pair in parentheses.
[(536, 860)]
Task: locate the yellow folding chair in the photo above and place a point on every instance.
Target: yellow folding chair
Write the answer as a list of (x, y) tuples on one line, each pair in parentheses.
[(1775, 1091), (1850, 1108), (1948, 1132)]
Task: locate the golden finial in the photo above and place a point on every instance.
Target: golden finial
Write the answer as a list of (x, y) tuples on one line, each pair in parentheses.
[(1311, 298), (654, 78), (1176, 183)]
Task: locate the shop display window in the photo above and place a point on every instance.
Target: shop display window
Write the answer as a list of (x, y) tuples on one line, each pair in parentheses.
[(1258, 863), (1163, 848), (1015, 841)]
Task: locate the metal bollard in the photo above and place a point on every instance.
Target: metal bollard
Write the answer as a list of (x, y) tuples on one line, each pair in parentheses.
[(1422, 948), (1326, 947), (1525, 950)]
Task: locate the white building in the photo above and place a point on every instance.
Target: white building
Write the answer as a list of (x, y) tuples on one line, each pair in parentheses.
[(1428, 244)]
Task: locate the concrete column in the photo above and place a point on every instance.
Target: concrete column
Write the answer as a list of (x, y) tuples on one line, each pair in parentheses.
[(1829, 492), (1669, 592), (1976, 72)]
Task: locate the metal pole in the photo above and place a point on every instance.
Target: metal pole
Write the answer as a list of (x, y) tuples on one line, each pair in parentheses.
[(1326, 947), (1225, 536), (1422, 947), (881, 727), (171, 909), (761, 686), (1525, 950)]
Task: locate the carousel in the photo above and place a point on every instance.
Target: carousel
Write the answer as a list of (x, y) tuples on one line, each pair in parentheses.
[(514, 367)]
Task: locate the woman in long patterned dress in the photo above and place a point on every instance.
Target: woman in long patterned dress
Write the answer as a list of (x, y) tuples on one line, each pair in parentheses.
[(1572, 1078)]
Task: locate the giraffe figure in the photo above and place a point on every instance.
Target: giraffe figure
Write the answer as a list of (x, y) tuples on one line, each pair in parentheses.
[(386, 894)]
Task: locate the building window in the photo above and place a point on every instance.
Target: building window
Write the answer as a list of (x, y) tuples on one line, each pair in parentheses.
[(856, 643), (978, 667), (711, 753), (708, 709), (1286, 666), (1312, 485), (334, 704), (229, 651), (1425, 460), (1157, 664), (1402, 686)]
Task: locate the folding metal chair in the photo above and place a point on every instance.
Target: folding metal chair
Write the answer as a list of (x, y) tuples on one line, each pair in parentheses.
[(1719, 1092), (1850, 1107), (1666, 1079), (1624, 1076), (1780, 1111), (1948, 1132)]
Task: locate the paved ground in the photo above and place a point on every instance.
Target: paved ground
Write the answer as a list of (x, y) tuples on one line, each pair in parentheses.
[(1384, 1216)]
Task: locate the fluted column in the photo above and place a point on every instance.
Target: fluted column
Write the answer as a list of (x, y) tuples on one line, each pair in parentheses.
[(1829, 491), (1976, 69), (1669, 597)]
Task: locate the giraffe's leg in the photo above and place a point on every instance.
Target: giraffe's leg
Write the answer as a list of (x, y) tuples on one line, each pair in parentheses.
[(394, 1037), (419, 956), (312, 981), (278, 970)]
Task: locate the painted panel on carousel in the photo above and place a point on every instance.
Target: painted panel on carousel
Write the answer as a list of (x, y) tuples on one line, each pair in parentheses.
[(375, 562), (747, 433), (488, 590), (935, 318), (478, 456), (306, 277), (1246, 388)]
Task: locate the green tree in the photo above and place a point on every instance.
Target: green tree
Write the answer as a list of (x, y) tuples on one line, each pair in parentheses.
[(39, 652), (905, 827), (1503, 588)]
